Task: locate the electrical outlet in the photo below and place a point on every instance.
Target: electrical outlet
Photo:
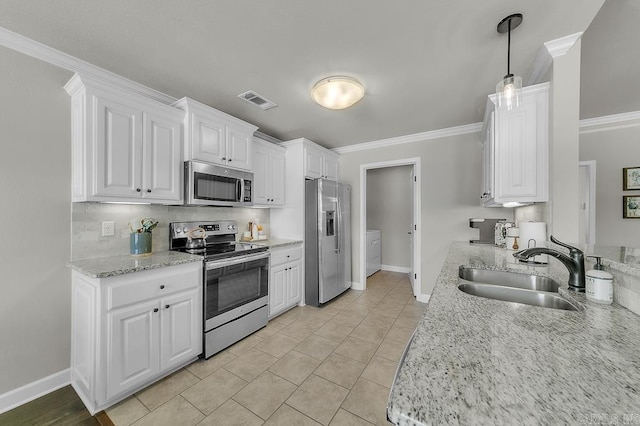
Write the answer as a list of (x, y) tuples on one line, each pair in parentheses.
[(108, 229)]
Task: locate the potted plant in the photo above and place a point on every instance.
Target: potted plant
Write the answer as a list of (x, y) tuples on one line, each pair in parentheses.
[(140, 237)]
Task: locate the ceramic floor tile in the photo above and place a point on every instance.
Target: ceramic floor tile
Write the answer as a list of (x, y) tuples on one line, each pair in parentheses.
[(333, 331), (214, 390), (287, 416), (295, 367), (126, 412), (400, 334), (290, 316), (177, 411), (391, 349), (378, 320), (368, 400), (231, 414), (357, 349), (299, 330), (369, 333), (316, 347), (278, 344), (251, 365), (407, 321), (202, 368), (381, 371), (345, 418), (340, 370), (167, 388), (272, 328), (245, 344), (318, 398), (265, 394), (346, 320)]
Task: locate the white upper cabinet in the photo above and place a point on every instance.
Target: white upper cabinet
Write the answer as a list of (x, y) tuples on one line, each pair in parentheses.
[(215, 137), (125, 147), (268, 174), (320, 163), (516, 150)]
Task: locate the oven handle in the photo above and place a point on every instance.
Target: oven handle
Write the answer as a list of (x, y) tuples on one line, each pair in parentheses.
[(236, 260)]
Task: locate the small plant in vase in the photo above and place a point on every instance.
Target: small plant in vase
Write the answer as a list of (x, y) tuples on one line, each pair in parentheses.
[(140, 237)]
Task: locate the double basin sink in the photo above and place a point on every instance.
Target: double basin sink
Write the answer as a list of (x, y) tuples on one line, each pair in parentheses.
[(513, 287)]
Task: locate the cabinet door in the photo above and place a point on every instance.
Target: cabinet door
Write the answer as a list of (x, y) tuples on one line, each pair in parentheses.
[(181, 330), (277, 168), (294, 283), (330, 168), (488, 161), (261, 176), (162, 157), (516, 153), (118, 156), (239, 144), (313, 163), (133, 346), (208, 140), (277, 290)]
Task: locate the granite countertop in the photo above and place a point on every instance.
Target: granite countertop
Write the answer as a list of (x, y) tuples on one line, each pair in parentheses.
[(118, 265), (481, 361), (276, 242)]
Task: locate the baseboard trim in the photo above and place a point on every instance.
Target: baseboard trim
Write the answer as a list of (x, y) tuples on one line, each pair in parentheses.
[(34, 390), (423, 298), (392, 268), (356, 286)]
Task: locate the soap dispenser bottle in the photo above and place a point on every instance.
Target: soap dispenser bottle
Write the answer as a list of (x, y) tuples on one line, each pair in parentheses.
[(599, 283)]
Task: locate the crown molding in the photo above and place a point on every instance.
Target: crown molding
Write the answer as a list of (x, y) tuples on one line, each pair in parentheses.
[(416, 137), (610, 122), (548, 52), (40, 51)]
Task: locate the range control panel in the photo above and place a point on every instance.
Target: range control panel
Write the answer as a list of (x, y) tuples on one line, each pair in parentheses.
[(181, 229)]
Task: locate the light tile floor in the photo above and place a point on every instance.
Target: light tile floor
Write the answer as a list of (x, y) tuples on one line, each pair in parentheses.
[(331, 365)]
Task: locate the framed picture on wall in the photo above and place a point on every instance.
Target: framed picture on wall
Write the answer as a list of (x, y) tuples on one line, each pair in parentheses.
[(631, 207), (631, 178)]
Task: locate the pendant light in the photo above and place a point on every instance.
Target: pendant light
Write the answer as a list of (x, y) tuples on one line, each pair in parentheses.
[(509, 89)]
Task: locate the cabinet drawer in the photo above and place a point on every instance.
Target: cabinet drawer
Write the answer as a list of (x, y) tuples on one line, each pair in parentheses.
[(283, 255), (140, 286)]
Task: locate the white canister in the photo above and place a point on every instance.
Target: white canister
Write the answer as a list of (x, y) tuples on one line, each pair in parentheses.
[(599, 286)]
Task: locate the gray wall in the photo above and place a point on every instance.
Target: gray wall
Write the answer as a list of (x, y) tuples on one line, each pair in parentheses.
[(389, 204), (35, 179), (612, 150), (451, 181)]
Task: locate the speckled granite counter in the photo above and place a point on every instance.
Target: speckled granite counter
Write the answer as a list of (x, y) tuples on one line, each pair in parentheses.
[(118, 265), (276, 242), (480, 361)]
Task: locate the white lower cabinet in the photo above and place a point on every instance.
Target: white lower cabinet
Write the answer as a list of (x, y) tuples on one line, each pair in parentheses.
[(285, 281), (130, 330)]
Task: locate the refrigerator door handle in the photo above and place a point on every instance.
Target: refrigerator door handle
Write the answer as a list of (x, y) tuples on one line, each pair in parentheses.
[(338, 225)]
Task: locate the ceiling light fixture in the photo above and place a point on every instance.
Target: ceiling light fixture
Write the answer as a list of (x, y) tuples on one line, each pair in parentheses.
[(338, 92), (509, 89)]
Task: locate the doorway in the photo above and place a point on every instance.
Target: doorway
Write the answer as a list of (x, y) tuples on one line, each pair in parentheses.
[(587, 202), (411, 231)]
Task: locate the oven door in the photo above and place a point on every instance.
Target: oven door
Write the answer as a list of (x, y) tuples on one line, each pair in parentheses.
[(206, 184), (234, 287)]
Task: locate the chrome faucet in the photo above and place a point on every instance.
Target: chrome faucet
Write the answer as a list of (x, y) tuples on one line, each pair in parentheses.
[(574, 261)]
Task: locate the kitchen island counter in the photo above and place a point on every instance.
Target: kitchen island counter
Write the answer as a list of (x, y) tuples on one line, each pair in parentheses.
[(481, 361), (117, 265)]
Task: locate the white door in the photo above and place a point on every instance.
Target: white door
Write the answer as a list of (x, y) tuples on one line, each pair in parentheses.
[(239, 145), (412, 178), (208, 140), (118, 149), (260, 175), (162, 157), (330, 167), (277, 289), (294, 283), (277, 178), (313, 163), (133, 341), (181, 331)]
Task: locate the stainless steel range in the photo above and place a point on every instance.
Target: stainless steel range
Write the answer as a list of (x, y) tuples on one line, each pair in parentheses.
[(236, 280)]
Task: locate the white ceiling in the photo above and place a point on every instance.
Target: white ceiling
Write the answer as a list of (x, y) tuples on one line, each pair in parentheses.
[(426, 65)]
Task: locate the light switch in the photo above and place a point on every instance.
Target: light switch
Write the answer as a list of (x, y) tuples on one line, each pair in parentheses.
[(108, 229)]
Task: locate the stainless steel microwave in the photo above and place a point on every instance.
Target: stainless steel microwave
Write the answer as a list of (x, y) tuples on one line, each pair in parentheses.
[(210, 185)]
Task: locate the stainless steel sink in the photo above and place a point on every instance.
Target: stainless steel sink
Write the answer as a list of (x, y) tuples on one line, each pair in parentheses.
[(508, 279), (518, 295)]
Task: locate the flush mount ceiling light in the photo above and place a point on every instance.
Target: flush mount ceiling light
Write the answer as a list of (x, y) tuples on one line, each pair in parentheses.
[(338, 92), (509, 89)]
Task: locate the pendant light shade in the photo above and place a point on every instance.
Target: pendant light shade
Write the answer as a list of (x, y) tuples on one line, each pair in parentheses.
[(337, 92), (509, 89)]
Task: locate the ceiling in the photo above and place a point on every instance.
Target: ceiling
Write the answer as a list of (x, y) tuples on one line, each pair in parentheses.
[(426, 65)]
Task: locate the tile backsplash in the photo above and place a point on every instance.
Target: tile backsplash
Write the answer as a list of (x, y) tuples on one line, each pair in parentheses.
[(87, 241)]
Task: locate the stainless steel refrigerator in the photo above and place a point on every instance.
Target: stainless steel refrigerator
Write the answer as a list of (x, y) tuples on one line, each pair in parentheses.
[(327, 240)]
